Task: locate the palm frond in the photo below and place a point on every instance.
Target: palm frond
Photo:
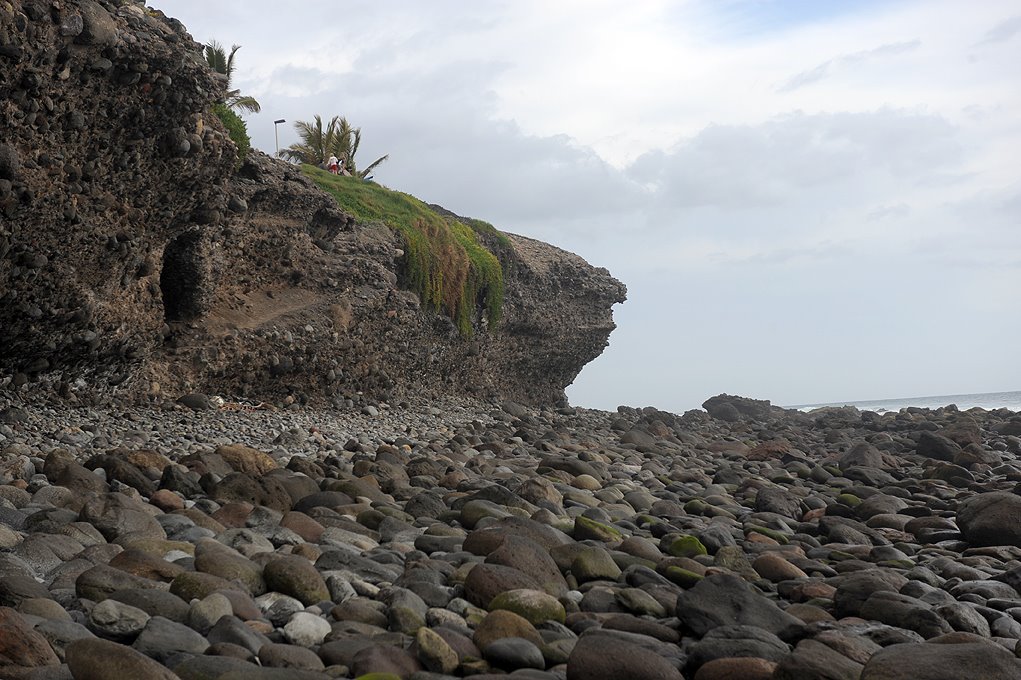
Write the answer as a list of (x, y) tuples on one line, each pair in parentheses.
[(223, 63), (238, 102), (229, 67), (216, 56), (367, 171)]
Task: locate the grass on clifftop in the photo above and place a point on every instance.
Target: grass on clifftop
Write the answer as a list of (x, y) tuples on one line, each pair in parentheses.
[(444, 262)]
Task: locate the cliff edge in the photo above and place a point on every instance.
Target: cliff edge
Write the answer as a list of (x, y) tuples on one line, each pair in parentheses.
[(140, 259)]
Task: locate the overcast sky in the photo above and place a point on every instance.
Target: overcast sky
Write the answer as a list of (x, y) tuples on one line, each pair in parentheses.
[(809, 200)]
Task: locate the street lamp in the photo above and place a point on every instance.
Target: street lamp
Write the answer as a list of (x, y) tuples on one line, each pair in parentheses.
[(276, 134)]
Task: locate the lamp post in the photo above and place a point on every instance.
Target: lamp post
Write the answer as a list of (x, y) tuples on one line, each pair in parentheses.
[(276, 134)]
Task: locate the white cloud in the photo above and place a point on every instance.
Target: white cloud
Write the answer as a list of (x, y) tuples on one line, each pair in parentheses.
[(1003, 31), (831, 66)]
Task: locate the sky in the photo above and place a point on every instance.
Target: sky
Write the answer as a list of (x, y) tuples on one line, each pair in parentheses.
[(809, 201)]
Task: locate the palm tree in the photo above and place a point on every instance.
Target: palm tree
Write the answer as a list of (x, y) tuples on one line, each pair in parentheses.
[(338, 138), (223, 63), (348, 139), (316, 144)]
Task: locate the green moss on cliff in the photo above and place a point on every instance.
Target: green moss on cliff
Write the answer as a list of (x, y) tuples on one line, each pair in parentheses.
[(444, 261)]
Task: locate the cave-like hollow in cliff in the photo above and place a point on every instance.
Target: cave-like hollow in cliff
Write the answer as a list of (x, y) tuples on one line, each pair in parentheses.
[(182, 277)]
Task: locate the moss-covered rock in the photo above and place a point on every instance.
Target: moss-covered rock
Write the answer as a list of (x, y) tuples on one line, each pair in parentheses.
[(682, 577), (534, 606), (685, 545), (585, 529), (594, 564), (849, 499), (777, 536)]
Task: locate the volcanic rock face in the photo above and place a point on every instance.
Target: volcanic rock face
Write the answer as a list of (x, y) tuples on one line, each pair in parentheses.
[(139, 258)]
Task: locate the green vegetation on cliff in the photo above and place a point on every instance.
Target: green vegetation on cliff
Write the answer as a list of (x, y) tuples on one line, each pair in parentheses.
[(444, 260), (236, 128)]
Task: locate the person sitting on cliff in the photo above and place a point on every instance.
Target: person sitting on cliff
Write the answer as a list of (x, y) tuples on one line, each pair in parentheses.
[(333, 165)]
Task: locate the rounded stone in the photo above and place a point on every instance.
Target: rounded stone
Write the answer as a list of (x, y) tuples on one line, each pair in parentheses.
[(297, 577), (501, 624), (306, 629), (605, 658), (434, 652), (534, 606), (773, 567), (97, 659), (513, 653), (991, 519), (116, 620), (736, 668)]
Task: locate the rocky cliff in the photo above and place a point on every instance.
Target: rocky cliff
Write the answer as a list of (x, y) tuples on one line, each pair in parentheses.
[(140, 259)]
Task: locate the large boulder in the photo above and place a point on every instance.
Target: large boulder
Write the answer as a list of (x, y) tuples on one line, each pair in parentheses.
[(727, 600), (733, 408), (95, 659), (603, 657), (932, 445), (929, 661), (991, 519)]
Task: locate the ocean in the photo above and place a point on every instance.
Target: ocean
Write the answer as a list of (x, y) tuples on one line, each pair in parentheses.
[(987, 400)]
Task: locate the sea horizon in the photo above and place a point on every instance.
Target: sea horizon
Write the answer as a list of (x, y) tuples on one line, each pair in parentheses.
[(986, 400)]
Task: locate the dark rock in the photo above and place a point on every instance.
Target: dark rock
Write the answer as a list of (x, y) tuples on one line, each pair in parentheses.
[(932, 445), (115, 514), (289, 656), (384, 659), (98, 27), (10, 167), (608, 658), (732, 408), (162, 638), (209, 667), (196, 401), (154, 602), (725, 599), (854, 589), (530, 558), (866, 455), (263, 490), (102, 580), (513, 653), (233, 630), (813, 660), (777, 500), (325, 499), (20, 645), (297, 577), (95, 659), (736, 641), (991, 519), (486, 581), (930, 661), (906, 612), (17, 584)]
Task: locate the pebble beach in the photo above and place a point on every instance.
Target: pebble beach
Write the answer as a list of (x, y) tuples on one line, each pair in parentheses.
[(456, 538)]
